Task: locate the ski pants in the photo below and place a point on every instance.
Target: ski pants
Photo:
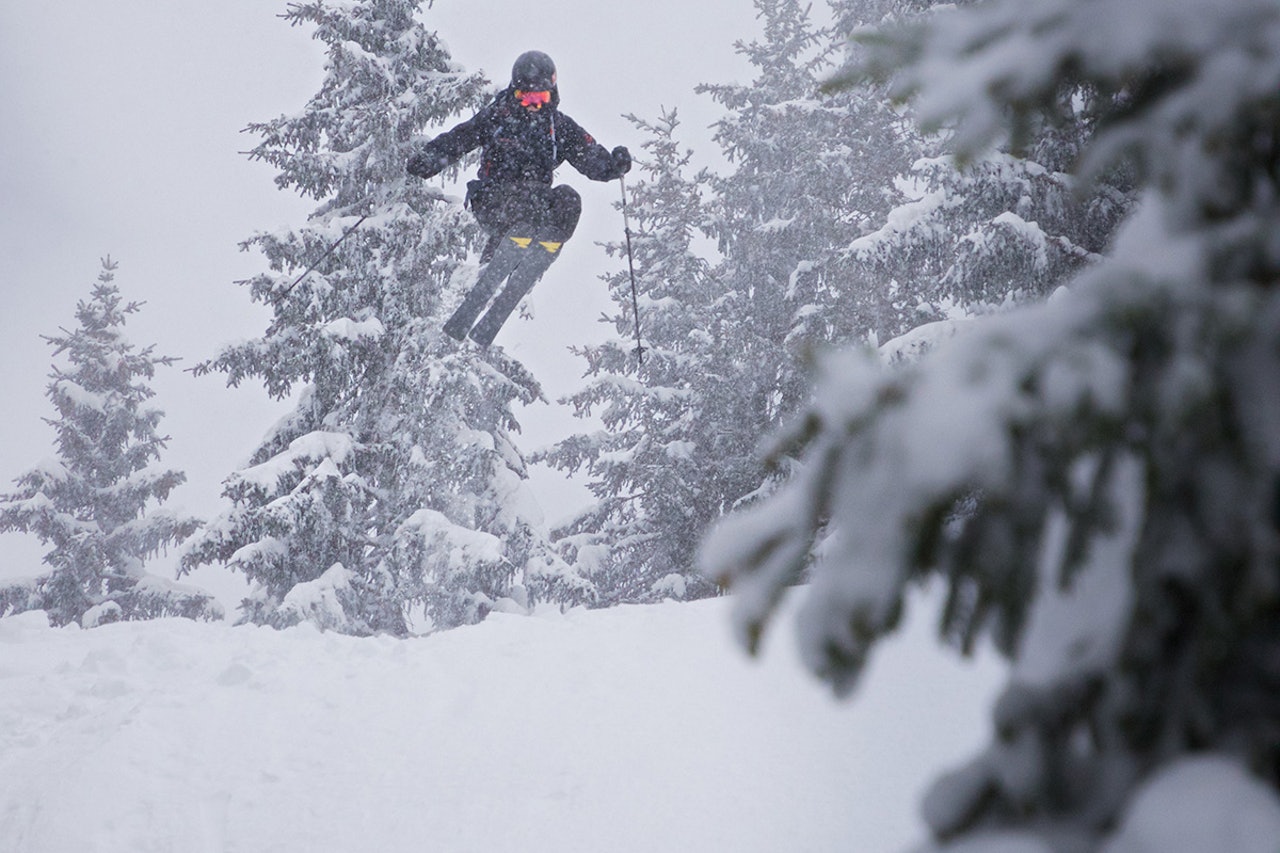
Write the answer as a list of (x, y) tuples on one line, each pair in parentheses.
[(552, 213)]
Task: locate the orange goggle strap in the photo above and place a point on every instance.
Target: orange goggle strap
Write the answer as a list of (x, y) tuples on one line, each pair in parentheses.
[(528, 99)]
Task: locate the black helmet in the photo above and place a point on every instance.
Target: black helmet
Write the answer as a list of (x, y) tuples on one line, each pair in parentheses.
[(533, 72)]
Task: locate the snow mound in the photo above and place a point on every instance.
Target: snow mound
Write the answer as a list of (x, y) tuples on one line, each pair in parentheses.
[(629, 729)]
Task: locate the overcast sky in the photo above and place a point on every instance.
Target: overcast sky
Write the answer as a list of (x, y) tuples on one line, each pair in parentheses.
[(121, 132)]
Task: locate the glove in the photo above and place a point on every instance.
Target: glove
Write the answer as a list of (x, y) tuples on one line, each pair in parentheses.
[(621, 160), (425, 165)]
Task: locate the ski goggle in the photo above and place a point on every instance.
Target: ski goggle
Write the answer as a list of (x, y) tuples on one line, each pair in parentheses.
[(533, 99)]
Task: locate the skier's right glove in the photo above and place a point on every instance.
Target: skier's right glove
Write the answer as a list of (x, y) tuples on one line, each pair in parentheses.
[(621, 160), (425, 164)]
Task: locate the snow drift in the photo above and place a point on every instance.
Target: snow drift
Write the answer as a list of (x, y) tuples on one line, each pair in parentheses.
[(630, 729)]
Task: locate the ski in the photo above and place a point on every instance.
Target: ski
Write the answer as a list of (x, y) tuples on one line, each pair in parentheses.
[(535, 260), (509, 254)]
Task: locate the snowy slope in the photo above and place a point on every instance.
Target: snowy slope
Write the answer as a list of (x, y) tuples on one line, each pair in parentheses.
[(631, 729)]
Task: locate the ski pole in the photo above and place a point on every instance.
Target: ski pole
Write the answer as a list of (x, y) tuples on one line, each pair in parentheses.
[(635, 303), (327, 253), (431, 193)]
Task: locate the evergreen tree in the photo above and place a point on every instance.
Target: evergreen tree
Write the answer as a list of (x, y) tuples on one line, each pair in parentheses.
[(1094, 480), (866, 153), (729, 346), (812, 172), (983, 232), (646, 470), (786, 203), (395, 483), (97, 503), (998, 230)]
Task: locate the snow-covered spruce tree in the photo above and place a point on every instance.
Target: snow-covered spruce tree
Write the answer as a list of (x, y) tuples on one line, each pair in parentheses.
[(646, 472), (811, 172), (394, 484), (857, 298), (1094, 480), (987, 231), (97, 502), (727, 348), (996, 231)]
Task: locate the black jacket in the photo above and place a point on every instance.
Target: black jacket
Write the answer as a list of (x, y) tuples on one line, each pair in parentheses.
[(518, 145)]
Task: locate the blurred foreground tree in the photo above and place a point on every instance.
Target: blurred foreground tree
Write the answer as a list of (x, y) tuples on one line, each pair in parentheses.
[(1096, 480)]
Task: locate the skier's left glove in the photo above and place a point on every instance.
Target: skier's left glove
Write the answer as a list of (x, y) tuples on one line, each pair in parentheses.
[(621, 160)]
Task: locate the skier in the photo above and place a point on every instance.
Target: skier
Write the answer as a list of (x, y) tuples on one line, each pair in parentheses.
[(523, 137)]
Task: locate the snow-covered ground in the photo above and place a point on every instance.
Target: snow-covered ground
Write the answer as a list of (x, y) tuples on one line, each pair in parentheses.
[(630, 729)]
